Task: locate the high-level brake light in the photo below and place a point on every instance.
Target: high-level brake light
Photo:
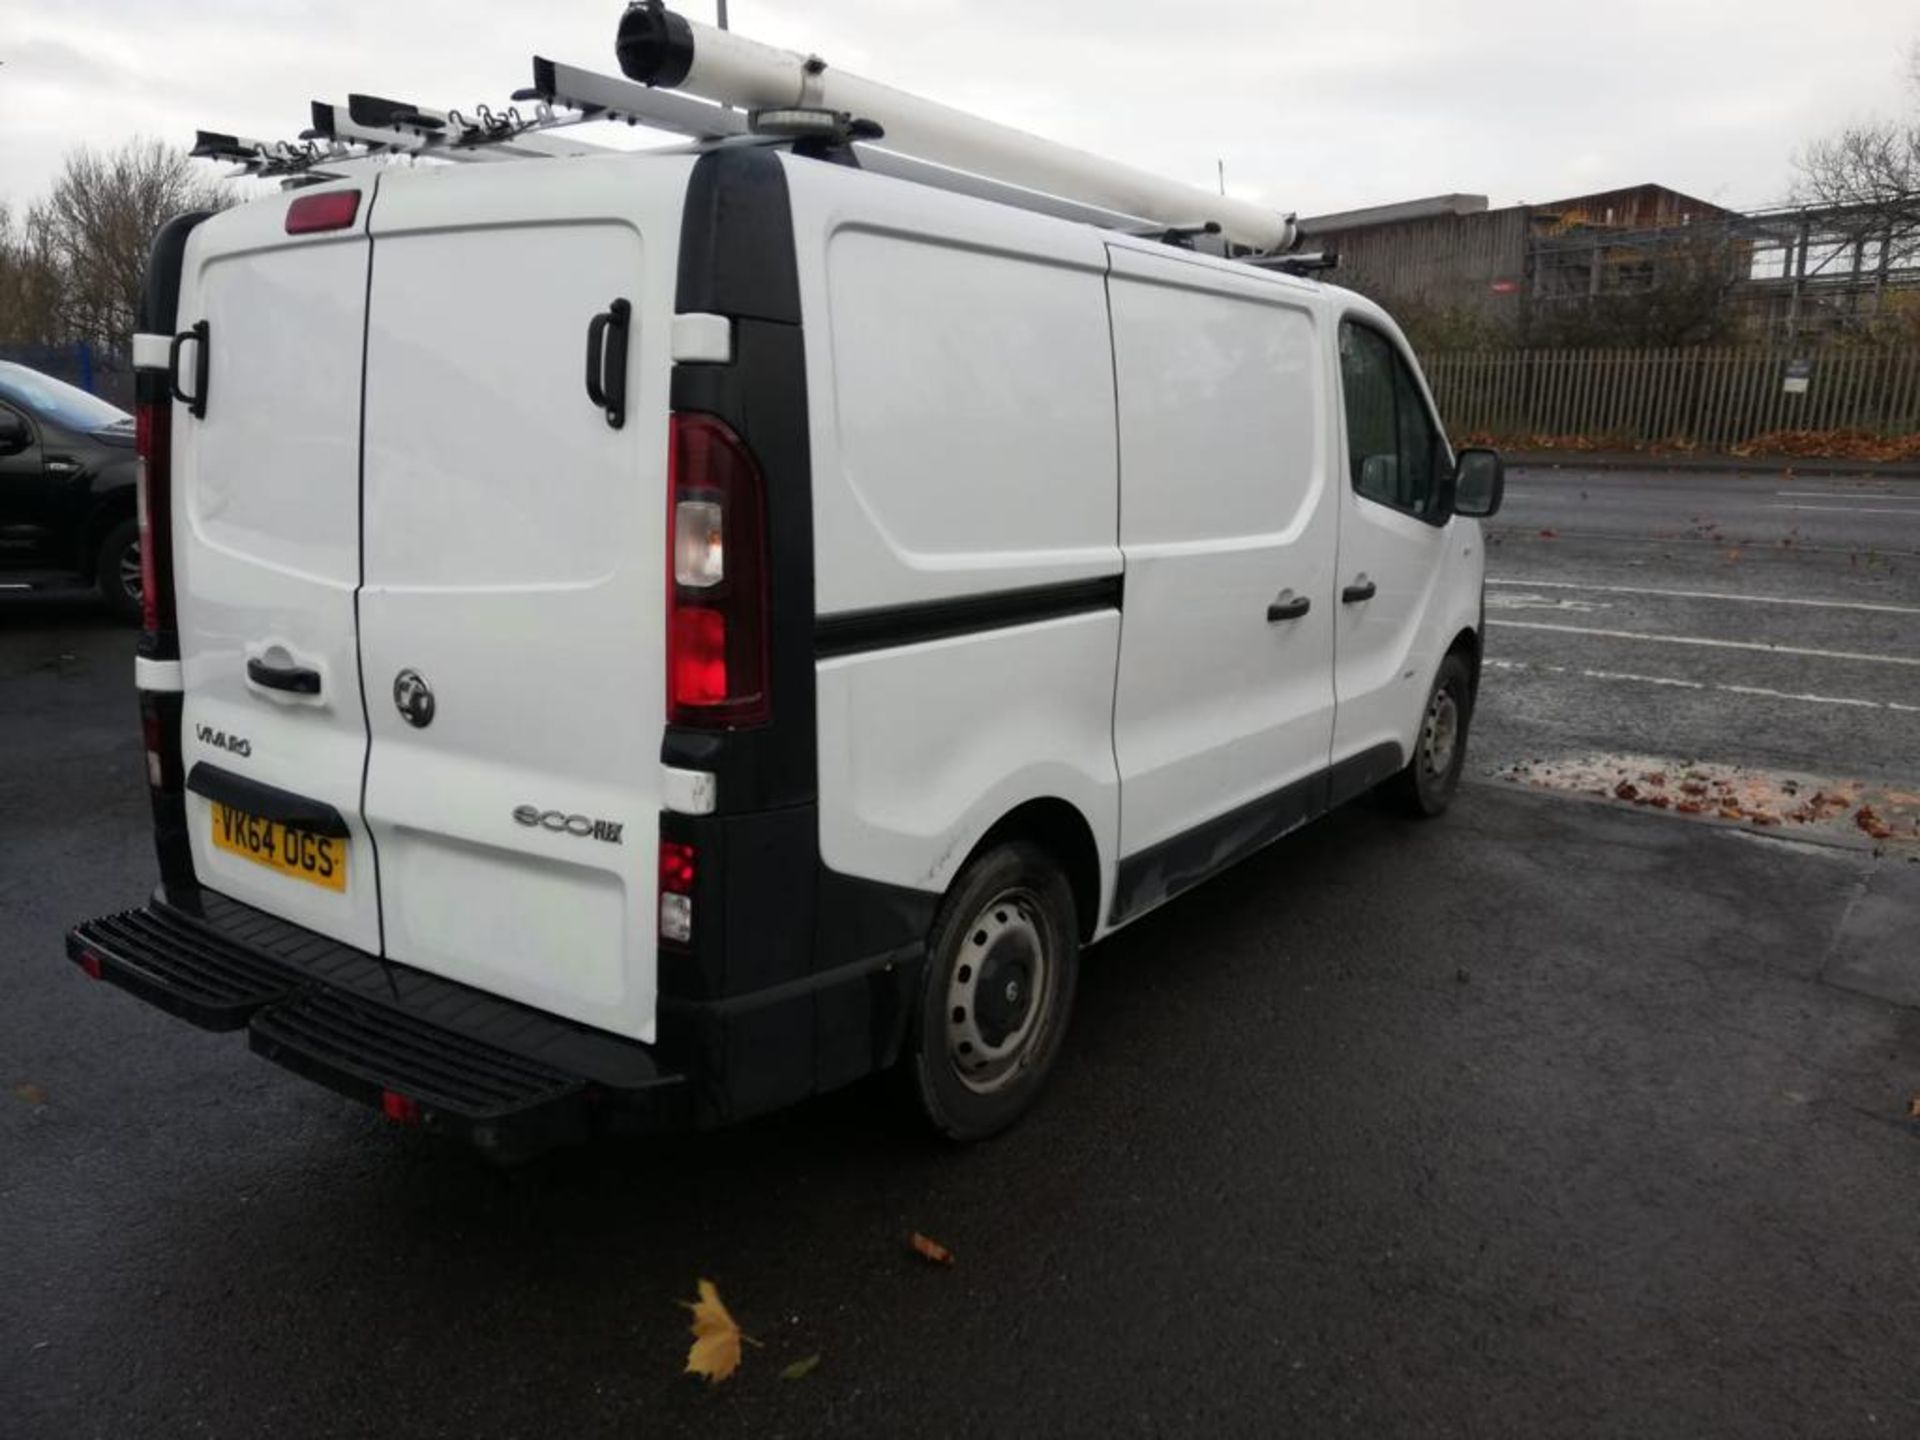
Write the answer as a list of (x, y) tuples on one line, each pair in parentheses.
[(327, 210)]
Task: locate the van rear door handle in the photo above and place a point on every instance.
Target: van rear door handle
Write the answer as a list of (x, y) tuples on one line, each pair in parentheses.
[(1288, 606), (607, 361), (293, 679), (201, 335), (1358, 591)]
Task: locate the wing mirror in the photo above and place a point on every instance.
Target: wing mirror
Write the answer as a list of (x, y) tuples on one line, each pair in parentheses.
[(14, 434), (1479, 483)]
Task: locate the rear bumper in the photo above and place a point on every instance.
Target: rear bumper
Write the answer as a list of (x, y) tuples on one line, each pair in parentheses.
[(507, 1078)]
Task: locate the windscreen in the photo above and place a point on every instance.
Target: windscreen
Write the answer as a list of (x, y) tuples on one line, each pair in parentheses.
[(67, 406)]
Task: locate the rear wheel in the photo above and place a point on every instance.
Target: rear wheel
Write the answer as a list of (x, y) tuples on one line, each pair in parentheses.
[(1002, 963), (117, 570), (1426, 786)]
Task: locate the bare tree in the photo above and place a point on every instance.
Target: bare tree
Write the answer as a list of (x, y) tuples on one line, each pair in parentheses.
[(29, 285), (1865, 183), (88, 239)]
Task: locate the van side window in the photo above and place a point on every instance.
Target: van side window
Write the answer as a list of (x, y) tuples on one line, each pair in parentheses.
[(1392, 444)]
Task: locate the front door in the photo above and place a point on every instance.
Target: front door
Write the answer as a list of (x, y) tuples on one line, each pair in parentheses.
[(1393, 537), (25, 497)]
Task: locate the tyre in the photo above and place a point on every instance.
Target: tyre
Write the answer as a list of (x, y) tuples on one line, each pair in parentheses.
[(1425, 787), (1002, 963), (117, 570)]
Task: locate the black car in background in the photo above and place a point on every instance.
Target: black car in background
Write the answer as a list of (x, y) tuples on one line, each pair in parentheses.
[(66, 490)]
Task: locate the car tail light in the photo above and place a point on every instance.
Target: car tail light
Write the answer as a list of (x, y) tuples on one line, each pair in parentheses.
[(153, 444), (716, 578), (678, 867), (329, 210)]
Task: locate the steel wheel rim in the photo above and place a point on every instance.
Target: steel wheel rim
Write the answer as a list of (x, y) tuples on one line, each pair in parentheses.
[(999, 992), (1440, 733), (130, 577)]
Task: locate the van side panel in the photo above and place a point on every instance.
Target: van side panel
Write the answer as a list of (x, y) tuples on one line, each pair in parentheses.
[(1227, 507), (965, 499), (962, 392)]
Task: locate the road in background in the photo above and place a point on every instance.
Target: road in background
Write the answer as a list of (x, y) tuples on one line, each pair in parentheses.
[(1762, 620), (1550, 1118)]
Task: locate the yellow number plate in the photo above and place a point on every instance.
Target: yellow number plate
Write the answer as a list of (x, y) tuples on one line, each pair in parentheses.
[(317, 859)]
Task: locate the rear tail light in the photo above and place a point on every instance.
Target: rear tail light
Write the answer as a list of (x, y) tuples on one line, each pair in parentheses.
[(153, 441), (717, 620), (163, 756), (678, 867)]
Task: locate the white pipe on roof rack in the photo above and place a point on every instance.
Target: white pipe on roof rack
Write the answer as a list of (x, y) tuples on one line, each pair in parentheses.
[(660, 48)]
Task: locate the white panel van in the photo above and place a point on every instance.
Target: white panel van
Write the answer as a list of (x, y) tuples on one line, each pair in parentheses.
[(637, 641)]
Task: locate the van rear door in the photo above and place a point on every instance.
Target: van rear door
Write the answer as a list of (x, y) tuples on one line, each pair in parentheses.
[(267, 557), (511, 620)]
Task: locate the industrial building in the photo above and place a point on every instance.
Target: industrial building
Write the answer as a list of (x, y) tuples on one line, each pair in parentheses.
[(1516, 274)]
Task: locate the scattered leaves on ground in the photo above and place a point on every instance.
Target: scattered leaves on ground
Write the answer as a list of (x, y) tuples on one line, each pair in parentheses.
[(800, 1369), (929, 1250), (30, 1094), (1868, 820), (1732, 793), (715, 1352)]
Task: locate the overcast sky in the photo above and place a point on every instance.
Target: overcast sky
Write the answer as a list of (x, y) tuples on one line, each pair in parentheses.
[(1313, 106)]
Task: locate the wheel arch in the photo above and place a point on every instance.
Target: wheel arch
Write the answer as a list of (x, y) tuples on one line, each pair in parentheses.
[(1058, 827), (1467, 643)]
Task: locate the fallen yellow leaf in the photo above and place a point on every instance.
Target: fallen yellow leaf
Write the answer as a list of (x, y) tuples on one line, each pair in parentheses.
[(800, 1369), (931, 1250), (31, 1094), (1913, 1108), (715, 1352)]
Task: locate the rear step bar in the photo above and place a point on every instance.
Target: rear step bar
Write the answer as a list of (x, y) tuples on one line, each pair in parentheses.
[(507, 1078)]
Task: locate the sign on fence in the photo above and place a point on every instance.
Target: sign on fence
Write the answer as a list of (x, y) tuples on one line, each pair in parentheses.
[(1799, 373)]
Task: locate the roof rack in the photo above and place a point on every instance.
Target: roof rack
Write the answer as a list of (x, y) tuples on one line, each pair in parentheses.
[(716, 87)]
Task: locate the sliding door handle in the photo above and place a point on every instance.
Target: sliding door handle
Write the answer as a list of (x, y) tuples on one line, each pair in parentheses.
[(1361, 589), (1287, 606)]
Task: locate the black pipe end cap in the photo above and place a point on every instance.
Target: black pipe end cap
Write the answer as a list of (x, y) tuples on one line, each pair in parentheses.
[(655, 45)]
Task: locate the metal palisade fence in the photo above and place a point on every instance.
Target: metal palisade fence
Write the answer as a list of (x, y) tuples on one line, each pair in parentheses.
[(1706, 397)]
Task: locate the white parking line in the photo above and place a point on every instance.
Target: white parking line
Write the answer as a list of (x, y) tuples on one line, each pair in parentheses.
[(1844, 509), (1759, 691), (1844, 495), (1712, 644), (1713, 595)]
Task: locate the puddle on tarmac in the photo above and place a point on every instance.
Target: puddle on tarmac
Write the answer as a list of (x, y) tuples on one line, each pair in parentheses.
[(1770, 800)]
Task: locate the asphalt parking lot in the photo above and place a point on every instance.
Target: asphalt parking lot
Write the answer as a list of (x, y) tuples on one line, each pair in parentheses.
[(1561, 1116)]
